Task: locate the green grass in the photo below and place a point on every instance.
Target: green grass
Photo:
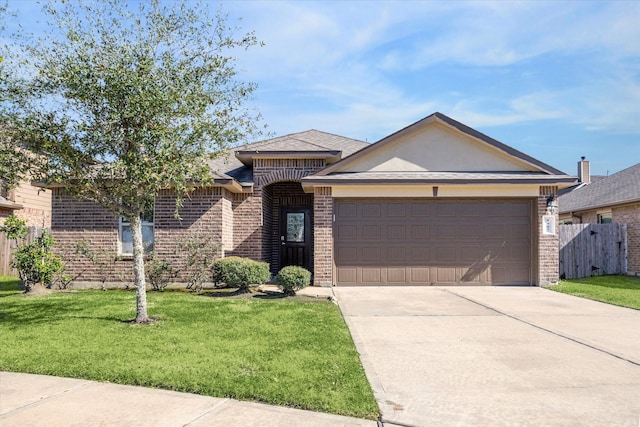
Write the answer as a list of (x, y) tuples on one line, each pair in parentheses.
[(618, 290), (291, 353)]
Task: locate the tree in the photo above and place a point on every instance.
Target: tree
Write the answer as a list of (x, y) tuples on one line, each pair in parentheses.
[(123, 104)]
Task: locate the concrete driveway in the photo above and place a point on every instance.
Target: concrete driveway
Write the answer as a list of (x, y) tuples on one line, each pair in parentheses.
[(496, 356)]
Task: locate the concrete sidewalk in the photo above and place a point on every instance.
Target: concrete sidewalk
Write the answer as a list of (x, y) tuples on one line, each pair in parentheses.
[(38, 400)]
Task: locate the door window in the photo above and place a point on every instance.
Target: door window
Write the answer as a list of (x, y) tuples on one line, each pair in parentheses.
[(295, 227)]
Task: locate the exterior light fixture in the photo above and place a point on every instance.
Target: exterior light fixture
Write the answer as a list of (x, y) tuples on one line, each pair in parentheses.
[(552, 205)]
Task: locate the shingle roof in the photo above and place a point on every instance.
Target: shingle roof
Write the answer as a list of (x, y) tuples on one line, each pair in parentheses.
[(228, 165), (310, 140), (8, 204), (621, 187)]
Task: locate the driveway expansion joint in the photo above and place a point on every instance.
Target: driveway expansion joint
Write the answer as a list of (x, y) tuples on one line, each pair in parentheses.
[(558, 334)]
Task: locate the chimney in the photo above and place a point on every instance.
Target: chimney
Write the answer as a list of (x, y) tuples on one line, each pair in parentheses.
[(584, 176)]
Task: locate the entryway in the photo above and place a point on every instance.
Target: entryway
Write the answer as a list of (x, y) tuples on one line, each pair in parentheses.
[(288, 222)]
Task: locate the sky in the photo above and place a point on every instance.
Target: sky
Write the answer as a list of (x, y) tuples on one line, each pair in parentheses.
[(556, 80)]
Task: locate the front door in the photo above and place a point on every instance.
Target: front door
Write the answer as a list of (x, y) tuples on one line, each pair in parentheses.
[(295, 237)]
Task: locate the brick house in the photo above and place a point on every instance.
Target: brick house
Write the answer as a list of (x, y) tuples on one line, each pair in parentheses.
[(614, 198), (434, 203)]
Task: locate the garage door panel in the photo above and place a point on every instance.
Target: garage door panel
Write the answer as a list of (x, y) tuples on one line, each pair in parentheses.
[(473, 242), (395, 210), (445, 275), (372, 275), (397, 253), (446, 232), (421, 254), (348, 232), (372, 210), (421, 210), (347, 210), (346, 255), (396, 275), (372, 254), (419, 275), (347, 275), (396, 231), (371, 231), (420, 231)]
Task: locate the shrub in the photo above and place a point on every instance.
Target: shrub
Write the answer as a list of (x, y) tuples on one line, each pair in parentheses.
[(159, 272), (35, 262), (292, 278), (199, 252), (240, 273)]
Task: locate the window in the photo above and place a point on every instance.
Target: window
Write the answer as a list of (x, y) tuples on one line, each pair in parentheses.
[(126, 237), (605, 218)]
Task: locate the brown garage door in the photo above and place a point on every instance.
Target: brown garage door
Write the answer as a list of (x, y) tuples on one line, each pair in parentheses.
[(432, 242)]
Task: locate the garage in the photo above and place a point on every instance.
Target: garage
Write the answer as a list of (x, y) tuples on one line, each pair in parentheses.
[(433, 241)]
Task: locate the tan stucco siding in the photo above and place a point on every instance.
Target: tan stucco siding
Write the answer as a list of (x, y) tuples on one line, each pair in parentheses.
[(443, 191), (436, 148)]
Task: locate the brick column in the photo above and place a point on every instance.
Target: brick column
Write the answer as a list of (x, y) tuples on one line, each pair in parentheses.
[(548, 245), (323, 237)]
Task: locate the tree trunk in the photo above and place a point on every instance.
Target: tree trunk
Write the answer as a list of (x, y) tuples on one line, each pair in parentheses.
[(138, 271)]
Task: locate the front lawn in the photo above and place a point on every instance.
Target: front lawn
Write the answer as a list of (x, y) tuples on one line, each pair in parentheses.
[(618, 290), (282, 352)]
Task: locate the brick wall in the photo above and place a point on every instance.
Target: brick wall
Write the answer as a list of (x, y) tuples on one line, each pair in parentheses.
[(548, 246), (247, 225), (79, 220), (201, 218), (630, 215), (203, 214), (323, 237), (255, 217)]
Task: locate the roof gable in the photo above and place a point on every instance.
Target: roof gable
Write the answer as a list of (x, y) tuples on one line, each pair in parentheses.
[(438, 143), (621, 187)]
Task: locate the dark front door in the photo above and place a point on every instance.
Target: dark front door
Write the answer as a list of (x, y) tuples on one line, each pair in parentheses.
[(295, 237)]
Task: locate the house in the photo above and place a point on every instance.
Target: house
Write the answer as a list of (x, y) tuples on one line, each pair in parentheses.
[(615, 198), (434, 203), (27, 202)]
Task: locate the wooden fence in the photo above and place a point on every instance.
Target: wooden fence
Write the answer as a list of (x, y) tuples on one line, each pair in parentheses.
[(8, 246), (592, 250)]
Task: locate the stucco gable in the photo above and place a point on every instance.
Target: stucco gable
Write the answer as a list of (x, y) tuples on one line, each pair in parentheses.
[(438, 143)]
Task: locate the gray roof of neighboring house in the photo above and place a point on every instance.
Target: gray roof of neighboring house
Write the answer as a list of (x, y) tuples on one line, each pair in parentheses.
[(228, 166), (619, 188)]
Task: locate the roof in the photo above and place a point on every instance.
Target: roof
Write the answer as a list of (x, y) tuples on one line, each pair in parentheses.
[(8, 204), (438, 178), (311, 141), (620, 188)]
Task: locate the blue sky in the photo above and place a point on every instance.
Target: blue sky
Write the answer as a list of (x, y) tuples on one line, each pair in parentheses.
[(556, 80)]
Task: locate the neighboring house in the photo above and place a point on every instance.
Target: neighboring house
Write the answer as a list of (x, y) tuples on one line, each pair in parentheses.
[(434, 203), (614, 198), (30, 203)]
